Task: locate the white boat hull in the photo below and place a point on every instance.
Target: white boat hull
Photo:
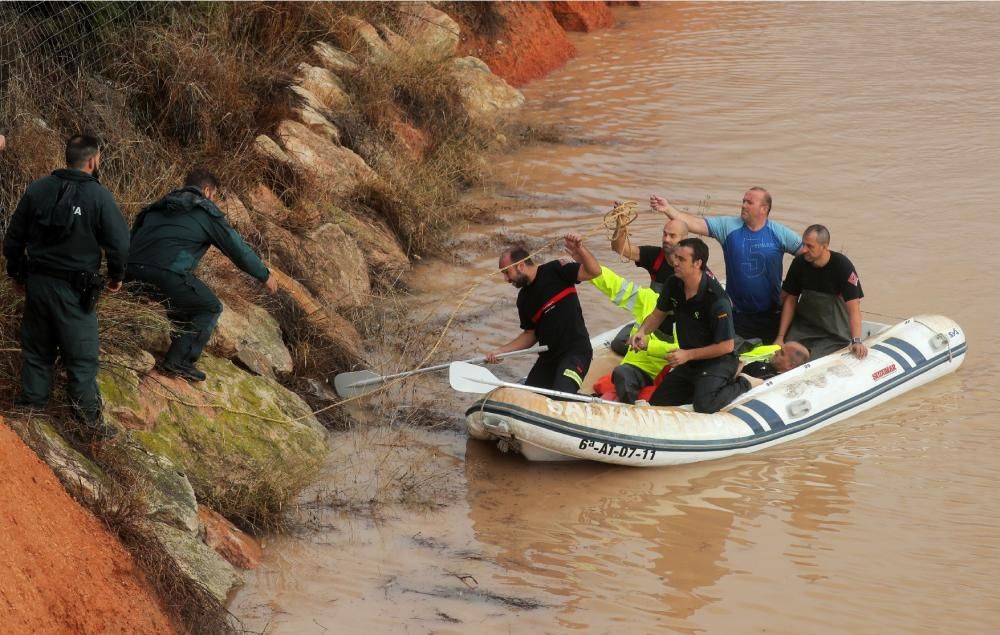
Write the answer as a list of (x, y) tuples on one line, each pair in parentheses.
[(792, 405)]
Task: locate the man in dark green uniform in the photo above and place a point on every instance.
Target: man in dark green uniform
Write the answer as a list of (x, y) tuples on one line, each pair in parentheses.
[(53, 250), (169, 238)]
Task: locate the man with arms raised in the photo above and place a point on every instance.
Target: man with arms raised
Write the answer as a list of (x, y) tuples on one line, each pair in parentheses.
[(657, 260), (753, 246), (704, 367), (550, 313), (822, 305)]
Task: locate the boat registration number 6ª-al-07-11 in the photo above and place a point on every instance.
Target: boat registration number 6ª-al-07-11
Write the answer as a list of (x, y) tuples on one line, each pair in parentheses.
[(614, 449)]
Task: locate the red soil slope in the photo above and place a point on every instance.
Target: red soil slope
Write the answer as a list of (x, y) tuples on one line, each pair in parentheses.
[(533, 41), (60, 569)]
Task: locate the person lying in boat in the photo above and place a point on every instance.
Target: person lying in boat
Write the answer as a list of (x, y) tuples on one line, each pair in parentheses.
[(822, 305), (704, 367), (550, 313), (787, 356), (639, 368)]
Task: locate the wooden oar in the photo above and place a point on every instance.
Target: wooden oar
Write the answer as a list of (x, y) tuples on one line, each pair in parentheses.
[(355, 383), (465, 377)]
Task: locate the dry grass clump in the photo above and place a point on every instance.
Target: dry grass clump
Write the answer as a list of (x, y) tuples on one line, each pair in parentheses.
[(257, 502)]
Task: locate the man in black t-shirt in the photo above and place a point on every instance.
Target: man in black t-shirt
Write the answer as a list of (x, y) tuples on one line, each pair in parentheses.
[(822, 305), (657, 260), (704, 367), (550, 314)]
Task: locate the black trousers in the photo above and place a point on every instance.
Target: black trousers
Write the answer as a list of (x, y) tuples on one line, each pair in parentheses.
[(629, 380), (708, 384), (564, 372), (192, 308), (55, 324)]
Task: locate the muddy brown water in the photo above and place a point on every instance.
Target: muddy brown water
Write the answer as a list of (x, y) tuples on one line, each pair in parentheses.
[(879, 120)]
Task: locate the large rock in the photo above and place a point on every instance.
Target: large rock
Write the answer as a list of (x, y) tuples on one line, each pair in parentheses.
[(364, 40), (327, 261), (340, 169), (229, 542), (485, 95), (334, 268), (242, 440), (334, 59), (377, 242), (249, 334), (319, 123), (432, 34), (269, 148), (396, 42), (325, 87), (171, 498), (265, 202), (335, 329), (198, 561)]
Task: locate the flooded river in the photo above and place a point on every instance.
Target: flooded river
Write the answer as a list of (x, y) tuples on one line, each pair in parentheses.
[(880, 121)]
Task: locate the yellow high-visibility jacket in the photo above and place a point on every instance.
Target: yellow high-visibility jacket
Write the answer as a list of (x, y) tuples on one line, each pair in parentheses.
[(640, 302)]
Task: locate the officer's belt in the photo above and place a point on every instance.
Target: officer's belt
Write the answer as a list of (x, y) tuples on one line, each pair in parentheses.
[(59, 274)]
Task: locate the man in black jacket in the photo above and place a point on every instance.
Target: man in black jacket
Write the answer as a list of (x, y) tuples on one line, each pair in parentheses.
[(704, 367), (53, 250), (169, 238)]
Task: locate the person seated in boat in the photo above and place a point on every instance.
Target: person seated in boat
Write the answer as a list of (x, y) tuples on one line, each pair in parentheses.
[(787, 356), (704, 367), (550, 314), (822, 305), (639, 368), (658, 260)]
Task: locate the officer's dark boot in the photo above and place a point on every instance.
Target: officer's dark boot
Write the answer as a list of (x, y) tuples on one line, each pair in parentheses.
[(179, 369)]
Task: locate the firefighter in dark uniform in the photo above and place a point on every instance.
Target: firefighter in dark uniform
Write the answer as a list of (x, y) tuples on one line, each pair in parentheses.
[(169, 238), (704, 367), (53, 250), (550, 313)]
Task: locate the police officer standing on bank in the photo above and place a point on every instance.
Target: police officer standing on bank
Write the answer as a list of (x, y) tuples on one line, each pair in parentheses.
[(169, 238), (53, 250)]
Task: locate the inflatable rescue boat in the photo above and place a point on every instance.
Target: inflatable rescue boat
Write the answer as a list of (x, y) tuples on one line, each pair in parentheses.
[(791, 405)]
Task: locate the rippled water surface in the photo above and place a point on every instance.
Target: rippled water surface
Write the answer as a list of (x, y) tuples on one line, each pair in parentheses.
[(880, 121)]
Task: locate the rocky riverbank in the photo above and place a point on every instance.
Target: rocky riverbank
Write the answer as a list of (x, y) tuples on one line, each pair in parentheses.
[(354, 166)]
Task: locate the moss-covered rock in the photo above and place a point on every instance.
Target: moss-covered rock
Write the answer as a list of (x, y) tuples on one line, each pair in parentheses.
[(247, 444), (199, 562)]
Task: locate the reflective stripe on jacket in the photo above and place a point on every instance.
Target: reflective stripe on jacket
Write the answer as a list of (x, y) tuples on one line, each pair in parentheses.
[(640, 302)]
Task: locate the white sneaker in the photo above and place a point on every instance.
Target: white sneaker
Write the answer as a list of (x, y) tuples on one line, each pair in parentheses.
[(641, 402)]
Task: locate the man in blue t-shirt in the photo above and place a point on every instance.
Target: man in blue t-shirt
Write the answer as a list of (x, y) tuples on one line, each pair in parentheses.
[(753, 246)]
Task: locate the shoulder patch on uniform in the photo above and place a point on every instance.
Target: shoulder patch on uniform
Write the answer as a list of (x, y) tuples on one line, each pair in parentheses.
[(853, 278), (722, 316)]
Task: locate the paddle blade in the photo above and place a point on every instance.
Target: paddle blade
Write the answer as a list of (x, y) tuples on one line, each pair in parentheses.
[(352, 384), (465, 377)]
